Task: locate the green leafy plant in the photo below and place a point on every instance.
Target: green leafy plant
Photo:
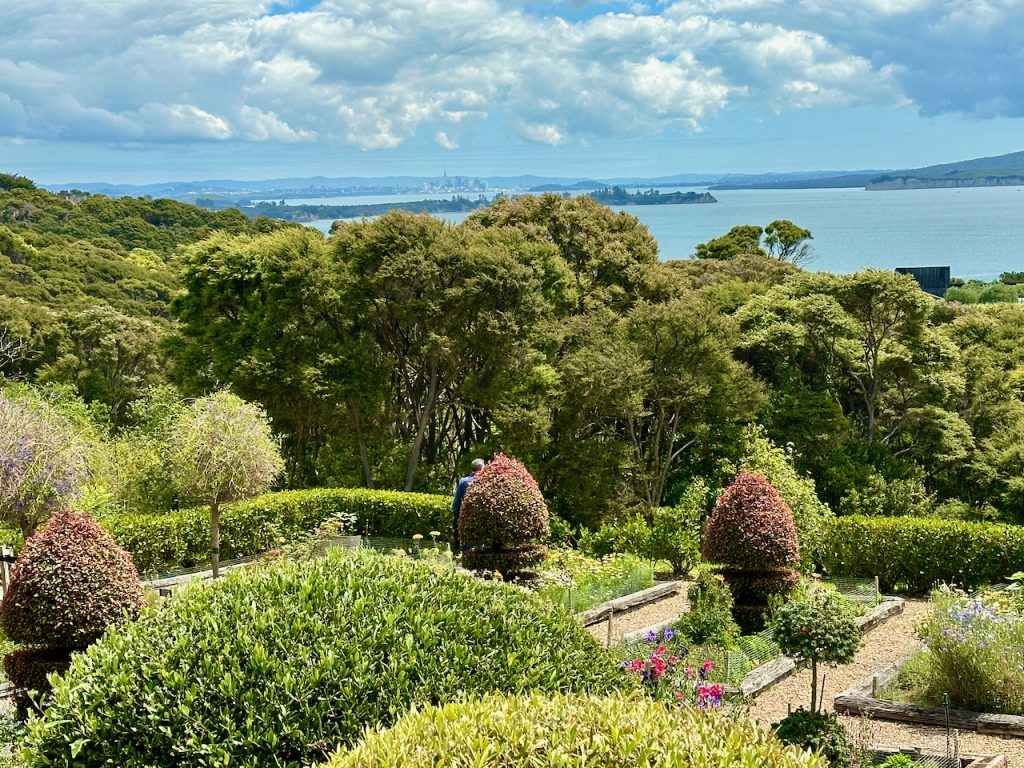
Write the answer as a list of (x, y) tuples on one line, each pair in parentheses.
[(280, 664), (751, 537), (69, 584), (931, 551), (502, 520), (821, 628), (222, 450), (898, 760), (538, 731), (709, 619), (572, 579), (817, 731)]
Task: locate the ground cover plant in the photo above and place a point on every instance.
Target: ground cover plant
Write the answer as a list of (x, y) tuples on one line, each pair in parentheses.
[(571, 732), (282, 664), (974, 654), (570, 578)]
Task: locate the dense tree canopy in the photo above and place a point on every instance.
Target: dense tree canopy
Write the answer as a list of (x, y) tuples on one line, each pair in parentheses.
[(544, 326)]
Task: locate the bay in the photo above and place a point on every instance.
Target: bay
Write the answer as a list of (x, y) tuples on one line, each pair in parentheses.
[(978, 232)]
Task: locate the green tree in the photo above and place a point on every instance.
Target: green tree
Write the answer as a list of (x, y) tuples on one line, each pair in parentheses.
[(222, 450), (820, 627), (738, 241), (785, 241)]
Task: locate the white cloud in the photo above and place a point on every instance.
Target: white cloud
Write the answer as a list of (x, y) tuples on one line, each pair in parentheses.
[(375, 74)]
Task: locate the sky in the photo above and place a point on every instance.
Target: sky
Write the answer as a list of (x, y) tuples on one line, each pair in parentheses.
[(142, 91)]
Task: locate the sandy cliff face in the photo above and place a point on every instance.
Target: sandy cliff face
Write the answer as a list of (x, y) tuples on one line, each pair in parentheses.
[(913, 182)]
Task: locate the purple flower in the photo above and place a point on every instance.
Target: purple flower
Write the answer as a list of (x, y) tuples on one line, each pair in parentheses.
[(651, 637), (668, 634)]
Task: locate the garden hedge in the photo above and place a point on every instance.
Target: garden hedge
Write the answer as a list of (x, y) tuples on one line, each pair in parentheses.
[(162, 542), (281, 665), (911, 554), (571, 732)]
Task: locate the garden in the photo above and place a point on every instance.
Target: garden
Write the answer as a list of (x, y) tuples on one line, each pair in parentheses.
[(318, 653)]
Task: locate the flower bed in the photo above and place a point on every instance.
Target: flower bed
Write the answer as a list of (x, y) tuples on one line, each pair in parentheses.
[(577, 582), (971, 661)]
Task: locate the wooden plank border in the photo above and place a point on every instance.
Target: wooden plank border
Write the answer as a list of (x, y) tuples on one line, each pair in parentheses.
[(628, 602)]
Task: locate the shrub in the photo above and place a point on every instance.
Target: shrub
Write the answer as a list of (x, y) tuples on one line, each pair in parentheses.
[(911, 554), (820, 627), (181, 539), (810, 514), (280, 664), (975, 653), (71, 582), (503, 516), (521, 732), (817, 731), (751, 536), (673, 533), (709, 619)]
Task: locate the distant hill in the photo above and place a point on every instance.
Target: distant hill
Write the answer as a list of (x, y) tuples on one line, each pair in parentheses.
[(1000, 170)]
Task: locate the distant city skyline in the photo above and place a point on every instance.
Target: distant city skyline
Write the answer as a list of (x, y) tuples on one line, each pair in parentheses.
[(137, 92)]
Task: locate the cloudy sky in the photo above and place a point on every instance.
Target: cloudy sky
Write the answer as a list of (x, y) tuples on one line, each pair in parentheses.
[(139, 90)]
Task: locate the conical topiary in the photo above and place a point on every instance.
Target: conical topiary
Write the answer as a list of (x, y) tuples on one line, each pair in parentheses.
[(502, 520), (70, 582), (752, 538)]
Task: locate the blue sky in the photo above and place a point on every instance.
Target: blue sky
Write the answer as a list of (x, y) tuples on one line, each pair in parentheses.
[(137, 91)]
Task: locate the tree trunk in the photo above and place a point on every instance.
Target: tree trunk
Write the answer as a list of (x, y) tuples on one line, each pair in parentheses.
[(421, 427), (215, 537), (814, 685), (364, 457)]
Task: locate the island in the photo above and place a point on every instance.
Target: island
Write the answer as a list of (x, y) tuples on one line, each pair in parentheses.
[(620, 196)]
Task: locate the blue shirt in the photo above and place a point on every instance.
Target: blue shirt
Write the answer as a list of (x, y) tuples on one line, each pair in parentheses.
[(460, 491)]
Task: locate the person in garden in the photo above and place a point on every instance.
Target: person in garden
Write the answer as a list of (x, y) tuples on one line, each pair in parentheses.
[(460, 491)]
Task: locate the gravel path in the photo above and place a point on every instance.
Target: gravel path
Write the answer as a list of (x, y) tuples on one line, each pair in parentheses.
[(641, 617), (887, 644)]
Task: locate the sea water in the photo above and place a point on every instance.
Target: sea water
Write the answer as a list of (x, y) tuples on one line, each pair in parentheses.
[(978, 232)]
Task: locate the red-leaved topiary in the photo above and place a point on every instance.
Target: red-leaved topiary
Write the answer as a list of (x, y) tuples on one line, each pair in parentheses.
[(502, 519), (71, 581), (751, 536)]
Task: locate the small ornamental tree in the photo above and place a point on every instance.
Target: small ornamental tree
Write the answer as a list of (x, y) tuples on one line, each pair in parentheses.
[(751, 537), (502, 520), (43, 462), (70, 582), (822, 628), (222, 450)]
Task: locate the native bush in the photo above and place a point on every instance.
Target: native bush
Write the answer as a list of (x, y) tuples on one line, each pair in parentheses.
[(535, 731), (751, 536), (70, 582), (913, 554), (672, 533), (502, 519), (280, 664)]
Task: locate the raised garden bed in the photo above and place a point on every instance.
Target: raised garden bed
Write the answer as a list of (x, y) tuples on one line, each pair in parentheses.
[(607, 610), (861, 700), (777, 670), (924, 758)]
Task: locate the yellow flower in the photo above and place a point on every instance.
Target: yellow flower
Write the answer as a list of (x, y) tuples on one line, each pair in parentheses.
[(435, 534), (417, 536)]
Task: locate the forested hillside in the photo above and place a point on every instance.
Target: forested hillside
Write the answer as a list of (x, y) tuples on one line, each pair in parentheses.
[(395, 350)]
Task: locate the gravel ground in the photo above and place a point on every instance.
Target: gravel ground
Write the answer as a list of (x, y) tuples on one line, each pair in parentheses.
[(892, 641), (644, 616)]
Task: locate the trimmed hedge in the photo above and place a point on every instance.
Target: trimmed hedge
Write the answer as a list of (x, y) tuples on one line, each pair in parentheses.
[(911, 554), (572, 732), (181, 539), (283, 664)]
